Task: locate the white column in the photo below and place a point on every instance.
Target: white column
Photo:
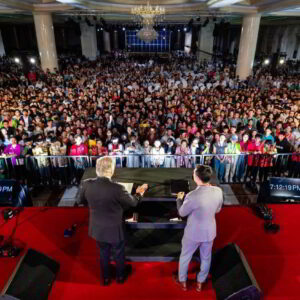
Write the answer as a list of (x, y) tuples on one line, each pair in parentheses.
[(247, 46), (106, 41), (46, 40), (2, 49), (206, 42), (187, 42), (88, 41)]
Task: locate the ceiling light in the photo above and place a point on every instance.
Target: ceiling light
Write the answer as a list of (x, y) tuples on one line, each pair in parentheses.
[(281, 61), (184, 29), (32, 60), (124, 28), (222, 3), (266, 61), (17, 60)]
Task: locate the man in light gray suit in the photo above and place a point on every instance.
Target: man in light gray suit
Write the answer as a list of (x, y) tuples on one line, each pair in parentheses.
[(200, 207)]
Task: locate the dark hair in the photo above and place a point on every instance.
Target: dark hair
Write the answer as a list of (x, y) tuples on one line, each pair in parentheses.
[(204, 173)]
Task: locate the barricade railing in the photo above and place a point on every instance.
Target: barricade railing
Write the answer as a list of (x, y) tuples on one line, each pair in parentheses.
[(229, 168)]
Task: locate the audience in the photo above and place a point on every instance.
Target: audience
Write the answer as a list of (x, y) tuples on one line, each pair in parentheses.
[(122, 105)]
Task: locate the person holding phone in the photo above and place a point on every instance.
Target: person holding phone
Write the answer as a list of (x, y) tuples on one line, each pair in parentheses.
[(200, 207)]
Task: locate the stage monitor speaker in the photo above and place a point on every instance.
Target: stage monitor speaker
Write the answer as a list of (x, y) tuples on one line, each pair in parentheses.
[(232, 277), (33, 277)]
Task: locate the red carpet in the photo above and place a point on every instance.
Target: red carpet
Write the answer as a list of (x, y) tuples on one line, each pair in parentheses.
[(274, 259)]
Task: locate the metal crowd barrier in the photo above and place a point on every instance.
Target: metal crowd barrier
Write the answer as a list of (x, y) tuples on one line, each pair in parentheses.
[(68, 170)]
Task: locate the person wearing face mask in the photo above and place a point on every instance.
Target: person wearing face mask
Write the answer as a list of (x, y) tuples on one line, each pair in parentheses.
[(170, 148), (157, 155), (133, 150), (146, 158), (80, 163)]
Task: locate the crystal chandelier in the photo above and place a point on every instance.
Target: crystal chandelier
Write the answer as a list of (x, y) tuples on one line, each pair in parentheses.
[(147, 34), (148, 14)]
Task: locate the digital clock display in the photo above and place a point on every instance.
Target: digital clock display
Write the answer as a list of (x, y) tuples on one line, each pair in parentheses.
[(284, 187)]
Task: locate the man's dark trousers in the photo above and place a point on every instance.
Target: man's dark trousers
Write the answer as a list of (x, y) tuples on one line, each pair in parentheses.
[(119, 256)]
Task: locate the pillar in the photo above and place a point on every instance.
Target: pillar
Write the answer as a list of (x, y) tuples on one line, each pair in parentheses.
[(206, 42), (106, 41), (46, 40), (247, 46), (187, 42), (115, 40), (2, 49), (88, 41)]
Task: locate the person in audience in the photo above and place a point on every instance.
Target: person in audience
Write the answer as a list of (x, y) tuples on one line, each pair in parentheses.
[(233, 147), (133, 150), (182, 155), (170, 149), (157, 155), (219, 148)]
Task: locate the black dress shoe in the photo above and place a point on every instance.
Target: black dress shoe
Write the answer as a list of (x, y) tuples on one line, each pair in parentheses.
[(106, 281)]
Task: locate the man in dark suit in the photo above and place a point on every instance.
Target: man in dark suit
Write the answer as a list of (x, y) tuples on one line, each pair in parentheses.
[(107, 201)]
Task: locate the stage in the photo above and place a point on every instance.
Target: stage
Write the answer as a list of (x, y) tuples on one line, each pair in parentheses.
[(274, 258)]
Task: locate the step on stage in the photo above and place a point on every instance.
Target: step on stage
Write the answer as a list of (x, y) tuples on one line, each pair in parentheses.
[(154, 237)]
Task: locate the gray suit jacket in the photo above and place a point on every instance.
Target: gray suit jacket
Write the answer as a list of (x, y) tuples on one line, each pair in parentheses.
[(107, 201), (200, 206)]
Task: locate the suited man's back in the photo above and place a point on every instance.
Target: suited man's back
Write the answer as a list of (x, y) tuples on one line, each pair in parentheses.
[(107, 201)]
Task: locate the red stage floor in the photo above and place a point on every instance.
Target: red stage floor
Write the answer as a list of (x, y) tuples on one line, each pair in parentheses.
[(274, 259)]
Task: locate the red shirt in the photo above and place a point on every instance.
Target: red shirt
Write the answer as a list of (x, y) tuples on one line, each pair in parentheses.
[(82, 149)]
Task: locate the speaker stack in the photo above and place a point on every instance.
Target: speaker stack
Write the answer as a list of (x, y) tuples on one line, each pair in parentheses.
[(232, 277)]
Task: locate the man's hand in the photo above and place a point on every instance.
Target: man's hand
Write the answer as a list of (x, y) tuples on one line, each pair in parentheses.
[(180, 195), (142, 189)]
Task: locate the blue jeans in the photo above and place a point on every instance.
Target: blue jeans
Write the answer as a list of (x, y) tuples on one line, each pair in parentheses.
[(187, 251), (240, 167), (220, 169)]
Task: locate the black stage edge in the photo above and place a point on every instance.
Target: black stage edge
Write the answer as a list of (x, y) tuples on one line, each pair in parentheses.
[(154, 237)]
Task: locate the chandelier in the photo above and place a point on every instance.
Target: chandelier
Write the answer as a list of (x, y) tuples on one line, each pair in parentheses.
[(147, 34), (148, 14)]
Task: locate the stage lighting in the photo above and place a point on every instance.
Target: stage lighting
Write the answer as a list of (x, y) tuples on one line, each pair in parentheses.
[(101, 28), (123, 28), (17, 60), (266, 61), (178, 30), (184, 29), (281, 61), (164, 29), (32, 60)]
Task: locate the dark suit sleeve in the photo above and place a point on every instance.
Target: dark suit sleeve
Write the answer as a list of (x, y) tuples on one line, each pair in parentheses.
[(81, 199), (128, 200)]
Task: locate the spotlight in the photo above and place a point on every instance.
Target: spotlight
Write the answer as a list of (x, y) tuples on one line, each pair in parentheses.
[(98, 29), (164, 29), (32, 60), (178, 30), (185, 29), (266, 61), (281, 61), (124, 28), (17, 60), (101, 28)]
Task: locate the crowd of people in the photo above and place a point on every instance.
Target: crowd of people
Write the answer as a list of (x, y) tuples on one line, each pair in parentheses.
[(153, 112)]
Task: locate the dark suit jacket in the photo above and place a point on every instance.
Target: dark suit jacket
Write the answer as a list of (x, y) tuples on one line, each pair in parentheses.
[(107, 201)]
